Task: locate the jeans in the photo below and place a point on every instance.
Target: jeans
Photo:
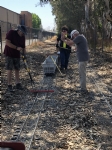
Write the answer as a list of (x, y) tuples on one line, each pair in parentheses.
[(64, 58), (82, 74)]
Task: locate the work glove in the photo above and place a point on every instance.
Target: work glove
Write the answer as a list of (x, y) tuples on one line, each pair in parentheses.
[(57, 45)]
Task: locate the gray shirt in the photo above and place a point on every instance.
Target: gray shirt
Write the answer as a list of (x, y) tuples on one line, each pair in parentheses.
[(82, 48)]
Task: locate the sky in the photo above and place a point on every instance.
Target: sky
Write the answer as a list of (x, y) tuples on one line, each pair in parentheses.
[(44, 13)]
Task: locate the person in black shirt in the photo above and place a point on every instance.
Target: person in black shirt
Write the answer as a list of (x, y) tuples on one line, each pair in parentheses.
[(64, 49)]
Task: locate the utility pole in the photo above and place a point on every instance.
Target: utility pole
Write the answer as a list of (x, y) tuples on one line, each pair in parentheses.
[(1, 39), (95, 32), (102, 30)]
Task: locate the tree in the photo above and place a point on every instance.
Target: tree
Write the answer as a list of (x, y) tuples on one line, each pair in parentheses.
[(36, 21), (72, 13), (67, 12)]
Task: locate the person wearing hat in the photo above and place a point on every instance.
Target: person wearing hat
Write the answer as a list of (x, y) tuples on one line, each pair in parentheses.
[(64, 49), (15, 42), (82, 55)]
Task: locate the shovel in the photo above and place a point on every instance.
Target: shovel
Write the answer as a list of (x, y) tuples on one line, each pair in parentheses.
[(62, 75)]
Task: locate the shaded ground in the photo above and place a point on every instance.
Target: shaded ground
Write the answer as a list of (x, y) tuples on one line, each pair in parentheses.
[(68, 120)]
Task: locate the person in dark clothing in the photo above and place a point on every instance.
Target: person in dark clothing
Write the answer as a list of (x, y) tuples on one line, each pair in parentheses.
[(64, 49), (15, 42), (82, 55)]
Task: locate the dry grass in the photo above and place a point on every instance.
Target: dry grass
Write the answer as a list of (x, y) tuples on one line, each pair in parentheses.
[(41, 44), (36, 45), (107, 44), (54, 38)]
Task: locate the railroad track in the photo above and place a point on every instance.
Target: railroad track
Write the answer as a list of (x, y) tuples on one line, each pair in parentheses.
[(25, 121), (99, 85), (28, 118)]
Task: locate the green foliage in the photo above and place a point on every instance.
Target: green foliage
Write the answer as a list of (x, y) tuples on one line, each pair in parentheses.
[(72, 12), (36, 21)]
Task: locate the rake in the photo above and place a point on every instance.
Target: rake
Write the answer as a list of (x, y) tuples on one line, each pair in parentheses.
[(27, 68), (62, 75), (33, 90)]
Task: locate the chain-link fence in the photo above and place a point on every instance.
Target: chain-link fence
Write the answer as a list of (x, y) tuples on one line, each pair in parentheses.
[(32, 34)]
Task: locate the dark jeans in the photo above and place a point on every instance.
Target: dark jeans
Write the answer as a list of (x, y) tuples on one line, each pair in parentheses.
[(64, 58)]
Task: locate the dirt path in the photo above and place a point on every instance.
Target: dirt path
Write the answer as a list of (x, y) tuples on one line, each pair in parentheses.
[(68, 120)]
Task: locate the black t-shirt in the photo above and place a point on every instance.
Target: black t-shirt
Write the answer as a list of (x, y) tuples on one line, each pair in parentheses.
[(15, 39), (68, 48)]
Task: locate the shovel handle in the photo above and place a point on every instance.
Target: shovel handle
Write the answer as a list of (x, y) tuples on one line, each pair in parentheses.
[(56, 65)]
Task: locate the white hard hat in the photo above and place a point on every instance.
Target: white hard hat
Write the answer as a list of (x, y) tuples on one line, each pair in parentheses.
[(74, 32)]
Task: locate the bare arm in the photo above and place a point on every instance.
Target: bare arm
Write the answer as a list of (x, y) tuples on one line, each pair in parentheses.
[(66, 40), (69, 42), (8, 43)]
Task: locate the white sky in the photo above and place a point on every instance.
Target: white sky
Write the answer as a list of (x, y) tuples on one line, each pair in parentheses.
[(44, 13)]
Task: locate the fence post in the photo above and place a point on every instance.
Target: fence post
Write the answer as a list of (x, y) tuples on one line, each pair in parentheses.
[(102, 32), (95, 30), (29, 36), (1, 39)]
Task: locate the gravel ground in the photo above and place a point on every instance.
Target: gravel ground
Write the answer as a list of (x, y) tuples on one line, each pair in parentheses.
[(64, 119)]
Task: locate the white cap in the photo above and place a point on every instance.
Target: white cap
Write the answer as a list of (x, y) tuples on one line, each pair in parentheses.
[(74, 32)]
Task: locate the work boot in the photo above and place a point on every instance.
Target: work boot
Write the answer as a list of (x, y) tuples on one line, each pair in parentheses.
[(10, 89), (61, 68), (19, 86), (66, 70), (84, 91)]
